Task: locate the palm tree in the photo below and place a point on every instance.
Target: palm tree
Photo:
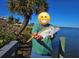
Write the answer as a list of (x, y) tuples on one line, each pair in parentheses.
[(26, 8)]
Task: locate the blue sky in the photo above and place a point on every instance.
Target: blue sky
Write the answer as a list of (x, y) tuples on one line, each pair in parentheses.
[(63, 12)]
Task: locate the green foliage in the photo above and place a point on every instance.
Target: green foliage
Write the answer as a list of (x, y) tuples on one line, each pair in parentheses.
[(12, 20), (27, 7), (8, 35)]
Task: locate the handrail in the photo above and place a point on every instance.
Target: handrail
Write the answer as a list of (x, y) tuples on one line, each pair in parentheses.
[(7, 50)]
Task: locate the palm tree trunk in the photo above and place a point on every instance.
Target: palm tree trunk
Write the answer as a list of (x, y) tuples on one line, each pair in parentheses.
[(24, 48), (26, 20)]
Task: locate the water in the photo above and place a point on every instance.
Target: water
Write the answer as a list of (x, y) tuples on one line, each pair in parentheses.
[(72, 41)]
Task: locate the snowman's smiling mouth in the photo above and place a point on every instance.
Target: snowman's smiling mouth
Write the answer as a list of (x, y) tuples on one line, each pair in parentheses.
[(43, 21)]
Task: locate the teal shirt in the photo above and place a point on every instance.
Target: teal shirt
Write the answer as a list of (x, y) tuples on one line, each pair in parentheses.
[(37, 47)]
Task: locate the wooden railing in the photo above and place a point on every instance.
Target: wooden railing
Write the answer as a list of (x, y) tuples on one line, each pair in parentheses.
[(8, 50)]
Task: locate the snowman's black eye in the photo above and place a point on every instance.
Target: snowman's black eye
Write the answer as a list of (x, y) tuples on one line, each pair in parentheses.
[(41, 16), (45, 16)]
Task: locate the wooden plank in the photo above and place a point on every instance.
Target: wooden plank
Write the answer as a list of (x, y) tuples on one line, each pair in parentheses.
[(62, 39), (8, 49), (62, 44)]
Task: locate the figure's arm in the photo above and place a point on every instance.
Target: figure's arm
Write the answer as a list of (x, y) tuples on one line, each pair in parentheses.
[(35, 31)]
